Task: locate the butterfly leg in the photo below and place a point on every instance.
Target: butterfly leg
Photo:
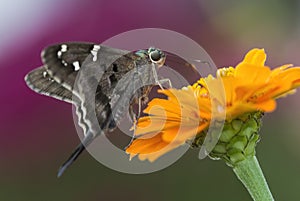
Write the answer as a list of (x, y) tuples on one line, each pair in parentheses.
[(162, 81)]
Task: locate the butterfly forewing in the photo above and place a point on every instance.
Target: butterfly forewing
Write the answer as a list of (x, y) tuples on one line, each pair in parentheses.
[(63, 61)]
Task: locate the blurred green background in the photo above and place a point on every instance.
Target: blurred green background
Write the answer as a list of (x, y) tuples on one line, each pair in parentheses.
[(37, 133)]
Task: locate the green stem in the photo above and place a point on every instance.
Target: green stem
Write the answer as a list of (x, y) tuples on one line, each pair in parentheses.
[(250, 174)]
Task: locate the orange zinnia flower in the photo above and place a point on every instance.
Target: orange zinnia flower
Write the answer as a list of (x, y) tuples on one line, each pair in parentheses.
[(250, 86)]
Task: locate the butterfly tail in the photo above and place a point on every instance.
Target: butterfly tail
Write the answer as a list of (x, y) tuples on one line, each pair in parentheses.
[(79, 149)]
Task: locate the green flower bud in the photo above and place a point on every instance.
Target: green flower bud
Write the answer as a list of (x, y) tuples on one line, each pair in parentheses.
[(237, 141)]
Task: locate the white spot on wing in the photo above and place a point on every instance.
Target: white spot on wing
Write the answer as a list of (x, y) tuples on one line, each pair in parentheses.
[(59, 53), (64, 48), (94, 51), (76, 65), (64, 63)]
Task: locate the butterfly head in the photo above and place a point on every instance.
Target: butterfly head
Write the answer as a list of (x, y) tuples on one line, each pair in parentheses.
[(156, 56)]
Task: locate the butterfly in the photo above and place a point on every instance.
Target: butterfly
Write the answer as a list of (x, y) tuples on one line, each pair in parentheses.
[(99, 81)]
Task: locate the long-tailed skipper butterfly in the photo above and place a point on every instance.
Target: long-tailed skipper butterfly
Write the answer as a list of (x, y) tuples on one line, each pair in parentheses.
[(97, 80)]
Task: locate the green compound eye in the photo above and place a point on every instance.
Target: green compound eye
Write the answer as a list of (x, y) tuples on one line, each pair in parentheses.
[(155, 56)]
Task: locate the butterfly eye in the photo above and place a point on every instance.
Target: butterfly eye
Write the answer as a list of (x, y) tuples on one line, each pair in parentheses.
[(155, 56)]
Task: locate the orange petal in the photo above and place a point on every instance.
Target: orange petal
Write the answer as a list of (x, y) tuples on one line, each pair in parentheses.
[(256, 57), (183, 133), (266, 106), (163, 150), (252, 74)]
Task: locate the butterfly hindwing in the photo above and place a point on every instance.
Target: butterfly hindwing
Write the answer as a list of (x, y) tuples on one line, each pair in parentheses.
[(40, 81)]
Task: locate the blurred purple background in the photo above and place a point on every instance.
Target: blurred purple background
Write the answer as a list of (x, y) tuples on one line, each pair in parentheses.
[(37, 132)]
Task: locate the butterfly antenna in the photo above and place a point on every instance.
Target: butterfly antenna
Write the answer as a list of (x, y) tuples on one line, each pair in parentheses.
[(174, 58), (203, 62), (79, 149)]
